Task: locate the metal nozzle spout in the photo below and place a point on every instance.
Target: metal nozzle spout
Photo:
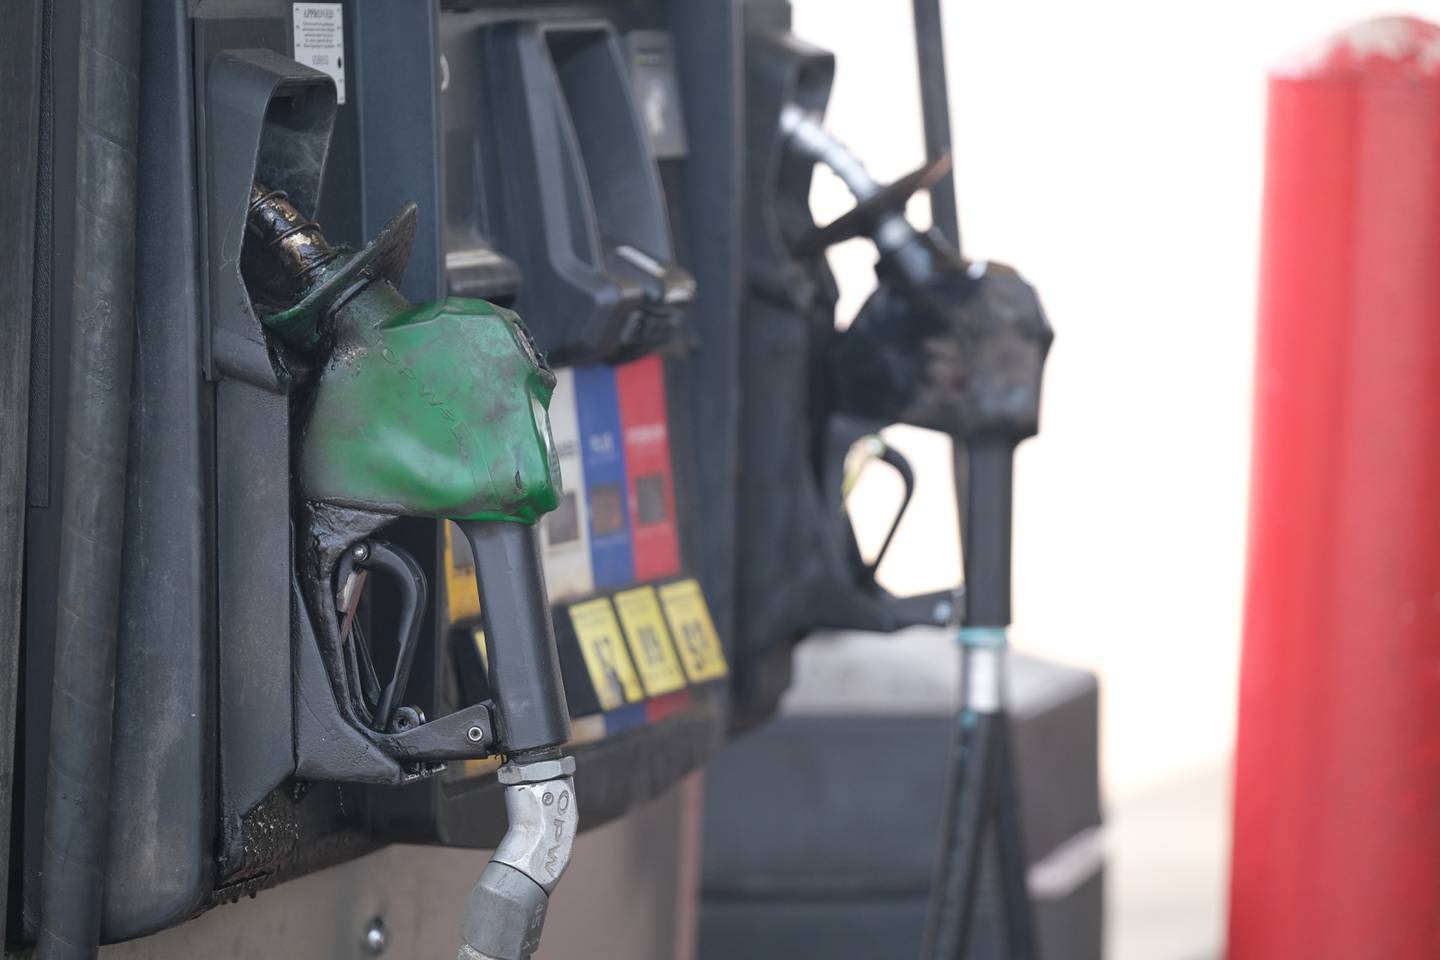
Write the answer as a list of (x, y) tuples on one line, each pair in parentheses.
[(506, 910), (298, 251)]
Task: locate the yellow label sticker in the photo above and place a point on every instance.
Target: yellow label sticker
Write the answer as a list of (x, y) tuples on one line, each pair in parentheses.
[(611, 672), (650, 641), (462, 599), (695, 634)]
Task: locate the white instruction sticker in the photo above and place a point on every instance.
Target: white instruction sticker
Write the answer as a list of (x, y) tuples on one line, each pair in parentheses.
[(320, 40)]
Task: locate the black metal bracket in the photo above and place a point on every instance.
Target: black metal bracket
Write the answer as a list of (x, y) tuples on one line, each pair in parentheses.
[(794, 445), (266, 118), (258, 114), (466, 734), (582, 208)]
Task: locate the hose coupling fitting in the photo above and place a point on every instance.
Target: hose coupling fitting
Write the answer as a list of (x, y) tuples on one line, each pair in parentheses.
[(506, 911)]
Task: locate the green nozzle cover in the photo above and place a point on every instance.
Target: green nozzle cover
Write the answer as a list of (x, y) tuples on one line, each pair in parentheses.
[(438, 410)]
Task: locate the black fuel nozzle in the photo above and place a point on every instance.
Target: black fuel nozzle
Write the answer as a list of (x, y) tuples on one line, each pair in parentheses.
[(943, 343), (962, 352)]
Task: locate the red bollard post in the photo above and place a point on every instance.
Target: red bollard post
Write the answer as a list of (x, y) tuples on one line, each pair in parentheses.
[(1337, 768)]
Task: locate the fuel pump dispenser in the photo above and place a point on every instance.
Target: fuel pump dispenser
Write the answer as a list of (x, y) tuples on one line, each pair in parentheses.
[(434, 410), (359, 616)]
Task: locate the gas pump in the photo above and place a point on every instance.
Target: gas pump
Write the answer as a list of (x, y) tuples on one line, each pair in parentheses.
[(358, 615), (434, 410)]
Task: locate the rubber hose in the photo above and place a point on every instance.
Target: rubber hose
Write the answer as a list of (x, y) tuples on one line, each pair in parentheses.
[(77, 802), (969, 801)]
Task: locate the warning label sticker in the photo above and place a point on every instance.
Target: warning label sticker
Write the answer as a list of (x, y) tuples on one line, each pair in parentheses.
[(649, 641), (689, 618), (607, 663), (320, 40)]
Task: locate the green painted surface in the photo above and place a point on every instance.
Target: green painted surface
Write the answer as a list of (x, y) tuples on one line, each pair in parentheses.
[(438, 410)]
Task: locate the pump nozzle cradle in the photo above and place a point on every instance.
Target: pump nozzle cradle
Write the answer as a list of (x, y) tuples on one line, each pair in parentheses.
[(435, 410)]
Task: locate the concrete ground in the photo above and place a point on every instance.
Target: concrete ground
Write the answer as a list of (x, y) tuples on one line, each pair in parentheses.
[(1169, 849)]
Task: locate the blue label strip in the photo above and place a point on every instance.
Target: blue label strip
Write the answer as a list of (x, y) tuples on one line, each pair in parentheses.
[(625, 718), (602, 451)]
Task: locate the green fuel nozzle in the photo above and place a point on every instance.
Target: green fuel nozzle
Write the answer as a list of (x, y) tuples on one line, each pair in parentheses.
[(435, 410), (432, 410)]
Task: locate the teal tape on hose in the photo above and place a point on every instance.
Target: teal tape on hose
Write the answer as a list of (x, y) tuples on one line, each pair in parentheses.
[(989, 637)]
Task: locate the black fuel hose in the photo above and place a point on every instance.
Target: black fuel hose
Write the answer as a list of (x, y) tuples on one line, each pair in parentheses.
[(969, 806), (980, 799), (77, 800)]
